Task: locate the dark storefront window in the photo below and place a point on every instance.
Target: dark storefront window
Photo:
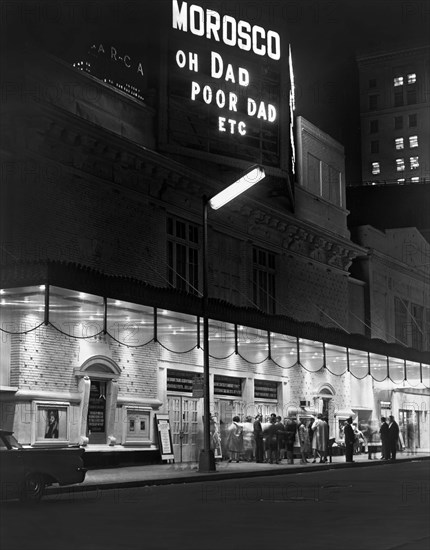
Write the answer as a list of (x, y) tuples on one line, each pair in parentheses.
[(263, 280), (182, 255)]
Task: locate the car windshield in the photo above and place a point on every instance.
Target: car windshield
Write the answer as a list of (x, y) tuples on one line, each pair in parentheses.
[(11, 442)]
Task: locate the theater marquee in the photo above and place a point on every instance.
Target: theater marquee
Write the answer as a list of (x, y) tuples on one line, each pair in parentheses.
[(224, 85)]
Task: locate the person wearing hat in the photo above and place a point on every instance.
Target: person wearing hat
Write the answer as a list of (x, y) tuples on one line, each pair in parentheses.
[(349, 440)]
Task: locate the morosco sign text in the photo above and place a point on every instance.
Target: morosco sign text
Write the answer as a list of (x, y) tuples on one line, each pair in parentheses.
[(226, 77)]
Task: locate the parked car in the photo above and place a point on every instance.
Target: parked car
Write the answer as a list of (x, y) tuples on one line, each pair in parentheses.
[(25, 472)]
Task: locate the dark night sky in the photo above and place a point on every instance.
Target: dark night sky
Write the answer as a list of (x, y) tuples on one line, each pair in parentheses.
[(325, 36)]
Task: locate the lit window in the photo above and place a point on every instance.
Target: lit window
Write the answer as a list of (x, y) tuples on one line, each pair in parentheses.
[(401, 180), (398, 81), (414, 163), (399, 143), (413, 141), (376, 169), (400, 165), (415, 180), (412, 78)]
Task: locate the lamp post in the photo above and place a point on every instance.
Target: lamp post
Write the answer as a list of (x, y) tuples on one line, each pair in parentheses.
[(253, 176)]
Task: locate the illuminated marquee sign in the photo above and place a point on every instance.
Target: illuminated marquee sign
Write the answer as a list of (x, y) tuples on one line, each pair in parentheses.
[(224, 79)]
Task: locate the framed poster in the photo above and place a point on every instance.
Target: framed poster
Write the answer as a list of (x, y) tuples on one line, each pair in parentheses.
[(164, 436), (51, 423)]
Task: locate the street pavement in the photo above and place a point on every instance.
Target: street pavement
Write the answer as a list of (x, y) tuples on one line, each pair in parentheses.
[(162, 474)]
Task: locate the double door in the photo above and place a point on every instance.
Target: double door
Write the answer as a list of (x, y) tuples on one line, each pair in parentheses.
[(185, 426)]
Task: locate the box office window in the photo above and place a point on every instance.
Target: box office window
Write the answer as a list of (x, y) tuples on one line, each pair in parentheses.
[(227, 385), (265, 389)]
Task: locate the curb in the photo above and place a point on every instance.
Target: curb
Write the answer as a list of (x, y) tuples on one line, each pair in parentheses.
[(220, 476)]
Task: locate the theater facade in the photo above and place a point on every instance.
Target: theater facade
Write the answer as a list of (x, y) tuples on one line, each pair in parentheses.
[(106, 158)]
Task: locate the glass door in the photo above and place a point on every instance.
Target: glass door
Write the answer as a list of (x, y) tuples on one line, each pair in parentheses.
[(184, 423)]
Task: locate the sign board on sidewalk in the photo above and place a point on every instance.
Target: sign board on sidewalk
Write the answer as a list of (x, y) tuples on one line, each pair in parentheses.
[(164, 436)]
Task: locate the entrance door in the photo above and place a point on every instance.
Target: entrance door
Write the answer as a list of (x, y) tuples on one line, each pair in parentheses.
[(183, 414), (409, 424), (97, 412)]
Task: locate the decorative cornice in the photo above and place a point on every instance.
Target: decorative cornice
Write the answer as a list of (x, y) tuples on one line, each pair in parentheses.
[(311, 243)]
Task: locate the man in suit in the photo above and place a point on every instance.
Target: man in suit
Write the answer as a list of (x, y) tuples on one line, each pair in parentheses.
[(383, 431), (258, 438), (393, 437), (349, 440)]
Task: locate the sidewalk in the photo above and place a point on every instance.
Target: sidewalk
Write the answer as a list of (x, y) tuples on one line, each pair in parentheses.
[(164, 474)]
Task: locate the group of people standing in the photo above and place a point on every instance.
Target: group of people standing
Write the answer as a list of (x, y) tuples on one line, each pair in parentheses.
[(273, 440), (388, 431)]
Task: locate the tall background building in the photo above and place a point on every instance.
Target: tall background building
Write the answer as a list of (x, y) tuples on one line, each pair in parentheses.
[(395, 116)]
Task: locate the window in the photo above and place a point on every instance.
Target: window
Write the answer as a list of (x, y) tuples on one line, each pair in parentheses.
[(399, 143), (414, 163), (373, 102), (413, 141), (182, 255), (263, 279), (376, 169), (398, 81), (400, 319), (374, 146), (374, 126), (398, 122), (400, 165), (398, 99), (412, 120), (372, 83), (412, 78), (415, 179), (417, 314), (411, 97), (401, 180)]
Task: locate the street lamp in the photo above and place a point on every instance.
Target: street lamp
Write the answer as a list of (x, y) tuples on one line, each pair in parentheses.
[(253, 176)]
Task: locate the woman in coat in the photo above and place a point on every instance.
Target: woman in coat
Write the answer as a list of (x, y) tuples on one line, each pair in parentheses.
[(320, 439), (235, 439)]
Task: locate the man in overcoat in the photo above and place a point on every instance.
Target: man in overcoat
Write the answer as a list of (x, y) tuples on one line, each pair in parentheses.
[(349, 440)]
